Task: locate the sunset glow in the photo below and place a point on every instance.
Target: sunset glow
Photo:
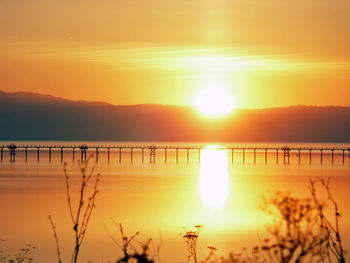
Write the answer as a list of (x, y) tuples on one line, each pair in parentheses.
[(174, 131), (162, 52)]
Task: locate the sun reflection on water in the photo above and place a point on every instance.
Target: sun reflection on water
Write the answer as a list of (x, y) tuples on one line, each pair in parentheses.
[(214, 177)]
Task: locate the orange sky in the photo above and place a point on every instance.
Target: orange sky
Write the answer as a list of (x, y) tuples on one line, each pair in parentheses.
[(267, 53)]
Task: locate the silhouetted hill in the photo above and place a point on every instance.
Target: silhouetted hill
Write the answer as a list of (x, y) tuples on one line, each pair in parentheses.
[(29, 116)]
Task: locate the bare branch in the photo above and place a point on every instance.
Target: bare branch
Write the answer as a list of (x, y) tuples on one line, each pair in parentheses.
[(56, 239)]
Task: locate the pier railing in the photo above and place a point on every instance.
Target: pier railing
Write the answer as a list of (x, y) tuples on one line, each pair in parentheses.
[(285, 151)]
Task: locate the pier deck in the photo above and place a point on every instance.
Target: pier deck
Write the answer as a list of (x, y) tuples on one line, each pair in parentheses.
[(12, 149)]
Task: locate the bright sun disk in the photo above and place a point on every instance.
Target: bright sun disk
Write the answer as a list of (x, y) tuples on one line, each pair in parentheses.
[(214, 101)]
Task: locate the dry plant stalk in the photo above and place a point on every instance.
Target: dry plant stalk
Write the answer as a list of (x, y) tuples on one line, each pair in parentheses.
[(81, 216), (24, 255), (191, 238), (301, 231), (334, 242), (58, 251), (296, 233), (132, 256)]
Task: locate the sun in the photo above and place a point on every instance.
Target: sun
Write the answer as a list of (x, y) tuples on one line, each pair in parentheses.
[(215, 101)]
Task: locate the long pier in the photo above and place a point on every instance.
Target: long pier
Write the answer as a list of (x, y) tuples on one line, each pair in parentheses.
[(151, 150)]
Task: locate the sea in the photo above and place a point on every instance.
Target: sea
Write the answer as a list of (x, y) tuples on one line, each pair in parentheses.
[(160, 198)]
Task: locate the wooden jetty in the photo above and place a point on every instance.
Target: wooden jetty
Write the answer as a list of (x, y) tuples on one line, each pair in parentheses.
[(152, 149)]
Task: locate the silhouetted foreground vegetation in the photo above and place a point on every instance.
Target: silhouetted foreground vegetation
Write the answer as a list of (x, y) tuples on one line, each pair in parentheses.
[(131, 254), (86, 204), (24, 255), (301, 230)]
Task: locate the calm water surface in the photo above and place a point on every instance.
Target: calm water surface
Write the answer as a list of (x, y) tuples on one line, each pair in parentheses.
[(158, 199)]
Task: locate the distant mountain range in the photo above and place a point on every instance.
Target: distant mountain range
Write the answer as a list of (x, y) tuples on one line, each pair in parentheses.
[(29, 116)]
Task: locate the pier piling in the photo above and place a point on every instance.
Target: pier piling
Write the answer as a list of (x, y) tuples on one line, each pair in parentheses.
[(12, 148), (152, 154), (38, 154), (97, 154), (83, 148), (286, 153), (310, 155), (254, 156)]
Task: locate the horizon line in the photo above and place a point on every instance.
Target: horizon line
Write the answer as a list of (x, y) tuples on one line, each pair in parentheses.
[(158, 104)]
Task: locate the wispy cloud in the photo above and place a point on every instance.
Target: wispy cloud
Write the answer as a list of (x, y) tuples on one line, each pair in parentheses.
[(179, 58), (208, 60)]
